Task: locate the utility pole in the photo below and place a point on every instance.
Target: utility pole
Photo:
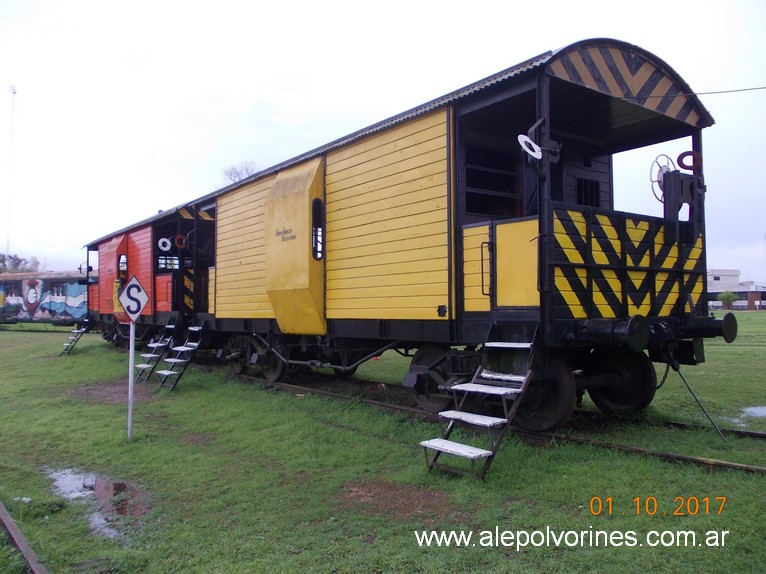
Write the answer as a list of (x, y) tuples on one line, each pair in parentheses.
[(10, 178)]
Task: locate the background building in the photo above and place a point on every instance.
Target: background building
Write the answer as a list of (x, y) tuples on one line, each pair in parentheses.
[(751, 295)]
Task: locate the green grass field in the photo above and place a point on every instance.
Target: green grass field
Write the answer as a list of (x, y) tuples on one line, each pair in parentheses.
[(238, 478)]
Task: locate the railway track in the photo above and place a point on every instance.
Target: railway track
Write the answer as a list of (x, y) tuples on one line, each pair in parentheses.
[(663, 455), (396, 406), (17, 539), (602, 418)]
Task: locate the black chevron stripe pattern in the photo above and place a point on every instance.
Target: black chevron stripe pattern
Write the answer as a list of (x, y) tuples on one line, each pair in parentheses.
[(622, 73), (607, 246), (608, 265)]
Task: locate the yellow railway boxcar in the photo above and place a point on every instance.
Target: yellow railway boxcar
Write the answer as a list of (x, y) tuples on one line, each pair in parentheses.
[(475, 233)]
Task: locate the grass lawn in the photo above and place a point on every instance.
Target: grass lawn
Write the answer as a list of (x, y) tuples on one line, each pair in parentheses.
[(228, 477)]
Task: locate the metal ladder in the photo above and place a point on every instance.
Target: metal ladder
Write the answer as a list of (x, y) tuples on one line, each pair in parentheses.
[(179, 358), (498, 378), (74, 337), (156, 350)]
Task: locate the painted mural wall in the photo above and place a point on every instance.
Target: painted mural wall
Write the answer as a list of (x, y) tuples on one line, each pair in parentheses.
[(42, 298)]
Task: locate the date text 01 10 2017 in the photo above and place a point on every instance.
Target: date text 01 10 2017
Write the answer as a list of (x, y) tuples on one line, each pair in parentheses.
[(681, 506)]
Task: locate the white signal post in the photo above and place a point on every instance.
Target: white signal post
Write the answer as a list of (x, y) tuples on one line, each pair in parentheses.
[(133, 299)]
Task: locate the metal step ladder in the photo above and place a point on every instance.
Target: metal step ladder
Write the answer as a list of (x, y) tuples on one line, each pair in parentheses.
[(74, 337), (178, 358), (503, 375), (155, 351)]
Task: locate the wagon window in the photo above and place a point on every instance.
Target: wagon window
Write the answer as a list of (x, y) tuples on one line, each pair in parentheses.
[(317, 229), (122, 269), (167, 262), (492, 185), (588, 192)]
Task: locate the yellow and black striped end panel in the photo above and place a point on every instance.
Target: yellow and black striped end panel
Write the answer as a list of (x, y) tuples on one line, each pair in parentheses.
[(624, 73), (639, 244), (588, 252), (694, 273), (609, 265), (639, 293), (570, 233), (571, 284), (189, 288), (666, 288), (606, 237)]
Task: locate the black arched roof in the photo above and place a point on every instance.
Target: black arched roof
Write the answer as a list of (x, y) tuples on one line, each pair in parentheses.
[(629, 73)]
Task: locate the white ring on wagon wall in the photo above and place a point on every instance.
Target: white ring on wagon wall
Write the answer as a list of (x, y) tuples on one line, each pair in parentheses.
[(530, 147), (164, 244)]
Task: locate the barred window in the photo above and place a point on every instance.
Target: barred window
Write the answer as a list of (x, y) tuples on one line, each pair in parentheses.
[(588, 192), (317, 229), (58, 289), (167, 262)]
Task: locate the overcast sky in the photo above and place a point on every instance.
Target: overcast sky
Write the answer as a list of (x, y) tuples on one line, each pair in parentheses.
[(123, 109)]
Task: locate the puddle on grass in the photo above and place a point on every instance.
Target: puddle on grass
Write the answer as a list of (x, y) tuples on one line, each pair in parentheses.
[(72, 484), (759, 412), (110, 498), (747, 413)]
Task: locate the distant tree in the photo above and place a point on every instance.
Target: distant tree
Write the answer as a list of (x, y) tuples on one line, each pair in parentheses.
[(240, 171), (16, 264), (727, 298)]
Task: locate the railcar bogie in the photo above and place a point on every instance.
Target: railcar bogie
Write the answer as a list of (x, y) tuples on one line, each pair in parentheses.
[(429, 376), (635, 385), (551, 396)]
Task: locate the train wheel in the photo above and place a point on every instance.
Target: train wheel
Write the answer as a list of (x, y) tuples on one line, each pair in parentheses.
[(549, 399), (273, 368), (431, 399), (117, 340), (269, 365), (638, 381), (238, 351)]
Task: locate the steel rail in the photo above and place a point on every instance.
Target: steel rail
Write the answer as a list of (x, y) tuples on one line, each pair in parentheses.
[(17, 539), (601, 417), (696, 426), (314, 391), (668, 456)]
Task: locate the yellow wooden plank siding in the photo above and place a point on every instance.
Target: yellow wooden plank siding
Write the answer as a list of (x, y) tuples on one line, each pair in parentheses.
[(211, 289), (387, 224), (516, 253), (240, 272), (476, 271)]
